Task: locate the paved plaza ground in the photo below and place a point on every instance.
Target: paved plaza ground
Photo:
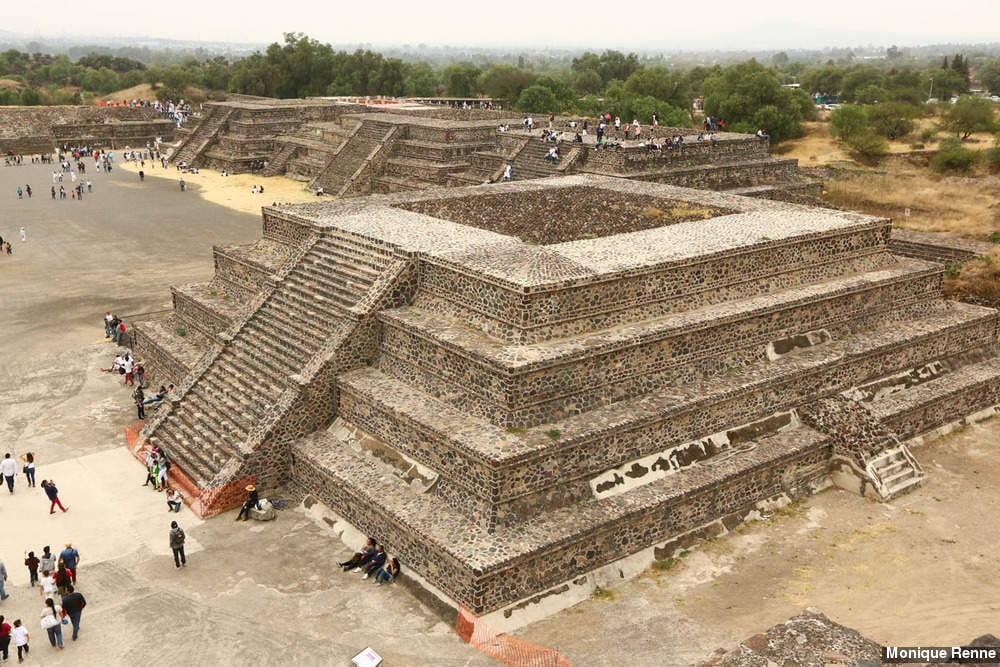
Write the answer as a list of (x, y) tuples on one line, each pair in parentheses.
[(918, 570)]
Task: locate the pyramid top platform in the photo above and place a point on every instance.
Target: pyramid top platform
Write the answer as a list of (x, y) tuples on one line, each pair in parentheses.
[(538, 234)]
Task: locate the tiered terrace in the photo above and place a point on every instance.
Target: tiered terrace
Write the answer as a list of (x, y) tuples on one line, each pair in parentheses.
[(525, 383), (27, 130), (349, 149)]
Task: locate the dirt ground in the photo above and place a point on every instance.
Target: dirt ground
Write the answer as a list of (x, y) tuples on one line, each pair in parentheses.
[(918, 570)]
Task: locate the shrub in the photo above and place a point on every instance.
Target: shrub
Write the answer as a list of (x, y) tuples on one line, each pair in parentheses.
[(953, 269), (868, 145), (953, 156), (848, 121)]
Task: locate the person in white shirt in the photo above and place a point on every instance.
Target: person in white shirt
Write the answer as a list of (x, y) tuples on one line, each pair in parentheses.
[(20, 634), (9, 469)]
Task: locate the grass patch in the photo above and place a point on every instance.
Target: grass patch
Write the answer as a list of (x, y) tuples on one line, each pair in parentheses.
[(180, 331), (603, 594), (554, 433)]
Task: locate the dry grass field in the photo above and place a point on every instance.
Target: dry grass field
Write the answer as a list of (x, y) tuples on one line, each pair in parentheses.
[(964, 205)]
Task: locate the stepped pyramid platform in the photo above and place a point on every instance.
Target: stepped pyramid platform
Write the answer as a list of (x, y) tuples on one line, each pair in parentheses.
[(350, 149), (516, 387)]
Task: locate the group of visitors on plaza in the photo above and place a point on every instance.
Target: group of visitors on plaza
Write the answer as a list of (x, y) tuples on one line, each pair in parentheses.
[(55, 575), (62, 603)]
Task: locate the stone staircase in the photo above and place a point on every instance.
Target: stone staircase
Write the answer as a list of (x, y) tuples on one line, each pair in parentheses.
[(894, 472), (530, 163), (213, 120), (279, 161), (226, 416), (344, 164)]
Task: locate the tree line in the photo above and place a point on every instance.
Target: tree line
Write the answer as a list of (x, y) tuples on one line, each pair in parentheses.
[(749, 95)]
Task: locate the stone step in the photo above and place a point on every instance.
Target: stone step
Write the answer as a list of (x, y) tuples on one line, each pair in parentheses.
[(423, 169), (521, 385), (264, 364), (334, 288), (200, 429), (184, 457), (488, 571), (282, 354), (325, 262), (352, 252), (387, 184), (488, 462), (319, 298), (307, 315), (940, 401), (309, 309), (247, 373), (238, 415)]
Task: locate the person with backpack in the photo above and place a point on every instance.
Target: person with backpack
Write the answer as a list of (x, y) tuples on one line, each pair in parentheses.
[(177, 544)]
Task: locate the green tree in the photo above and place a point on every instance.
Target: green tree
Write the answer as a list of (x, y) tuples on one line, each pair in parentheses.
[(615, 65), (892, 120), (989, 76), (421, 79), (30, 97), (952, 155), (538, 99), (970, 114), (848, 121), (659, 83), (460, 79), (504, 83), (587, 82), (749, 96)]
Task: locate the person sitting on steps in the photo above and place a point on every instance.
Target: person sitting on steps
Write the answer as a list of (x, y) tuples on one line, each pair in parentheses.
[(252, 502), (360, 558)]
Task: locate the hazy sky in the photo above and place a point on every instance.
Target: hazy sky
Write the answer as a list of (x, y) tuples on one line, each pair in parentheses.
[(758, 24)]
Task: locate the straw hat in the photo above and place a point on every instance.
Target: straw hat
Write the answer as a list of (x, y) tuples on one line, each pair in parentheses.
[(251, 487)]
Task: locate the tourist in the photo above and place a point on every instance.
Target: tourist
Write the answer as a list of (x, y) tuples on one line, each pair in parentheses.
[(47, 583), (160, 395), (377, 561), (177, 544), (252, 502), (53, 494), (3, 581), (162, 468), (128, 366), (9, 469), (108, 319), (20, 639), (24, 237), (508, 173), (4, 639), (71, 557), (74, 603), (387, 574), (31, 562), (174, 500), (138, 397), (63, 577), (51, 622), (47, 563), (360, 558)]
